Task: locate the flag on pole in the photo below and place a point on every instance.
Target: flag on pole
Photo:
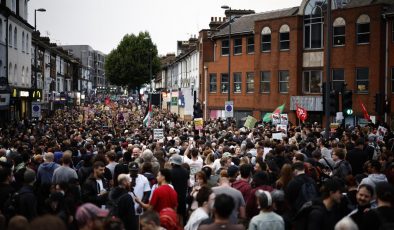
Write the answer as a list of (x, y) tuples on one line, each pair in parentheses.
[(148, 117), (268, 116), (302, 113), (365, 112)]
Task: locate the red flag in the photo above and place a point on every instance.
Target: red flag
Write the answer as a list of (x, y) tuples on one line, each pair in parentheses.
[(365, 112), (107, 101), (302, 113)]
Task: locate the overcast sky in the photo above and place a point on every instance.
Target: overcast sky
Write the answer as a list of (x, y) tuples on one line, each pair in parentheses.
[(102, 23)]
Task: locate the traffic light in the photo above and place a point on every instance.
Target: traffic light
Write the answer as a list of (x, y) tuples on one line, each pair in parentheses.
[(197, 111), (333, 103), (347, 103), (379, 103)]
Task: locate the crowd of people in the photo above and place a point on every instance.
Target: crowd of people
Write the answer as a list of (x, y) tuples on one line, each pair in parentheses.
[(99, 167)]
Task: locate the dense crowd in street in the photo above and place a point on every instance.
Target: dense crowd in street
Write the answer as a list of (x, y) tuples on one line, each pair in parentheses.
[(100, 167)]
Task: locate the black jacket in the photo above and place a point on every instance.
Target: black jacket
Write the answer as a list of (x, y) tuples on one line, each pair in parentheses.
[(90, 191), (27, 202), (321, 218), (357, 157), (125, 205)]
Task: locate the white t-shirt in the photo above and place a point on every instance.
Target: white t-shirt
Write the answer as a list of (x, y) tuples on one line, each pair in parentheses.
[(101, 186), (141, 185)]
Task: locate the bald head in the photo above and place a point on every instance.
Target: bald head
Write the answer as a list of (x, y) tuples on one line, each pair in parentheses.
[(48, 157)]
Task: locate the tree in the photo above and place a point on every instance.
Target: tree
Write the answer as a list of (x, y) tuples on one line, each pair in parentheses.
[(128, 64)]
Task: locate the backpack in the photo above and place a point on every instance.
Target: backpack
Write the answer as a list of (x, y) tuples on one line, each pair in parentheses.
[(384, 223), (306, 193), (300, 220), (151, 178), (11, 205), (113, 206)]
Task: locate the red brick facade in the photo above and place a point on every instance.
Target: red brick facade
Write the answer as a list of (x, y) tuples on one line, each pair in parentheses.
[(348, 57)]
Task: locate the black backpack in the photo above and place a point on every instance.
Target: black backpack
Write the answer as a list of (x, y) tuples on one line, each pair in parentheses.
[(11, 205), (306, 193), (113, 206)]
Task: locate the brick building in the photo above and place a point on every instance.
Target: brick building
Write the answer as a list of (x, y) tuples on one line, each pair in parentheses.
[(280, 57)]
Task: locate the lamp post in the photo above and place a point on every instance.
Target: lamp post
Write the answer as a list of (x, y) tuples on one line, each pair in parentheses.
[(328, 69), (35, 47), (150, 71), (229, 49)]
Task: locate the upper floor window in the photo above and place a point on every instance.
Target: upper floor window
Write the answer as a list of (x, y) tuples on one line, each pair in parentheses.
[(237, 46), (23, 41), (10, 35), (363, 29), (225, 47), (27, 43), (266, 39), (250, 45), (362, 80), (284, 81), (339, 26), (224, 83), (338, 79), (313, 25), (250, 82), (1, 30), (25, 9), (213, 83), (312, 81), (13, 5), (265, 81), (237, 82), (15, 38), (284, 36)]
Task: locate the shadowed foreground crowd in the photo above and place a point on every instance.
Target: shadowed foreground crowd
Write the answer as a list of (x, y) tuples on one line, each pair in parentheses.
[(100, 168)]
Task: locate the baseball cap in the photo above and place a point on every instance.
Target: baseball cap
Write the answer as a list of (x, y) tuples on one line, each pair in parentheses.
[(226, 154), (89, 211), (133, 166)]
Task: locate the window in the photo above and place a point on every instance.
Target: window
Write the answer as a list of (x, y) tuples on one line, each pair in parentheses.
[(265, 81), (284, 36), (1, 30), (10, 35), (283, 81), (13, 5), (237, 82), (338, 38), (312, 81), (362, 80), (250, 44), (225, 47), (27, 43), (15, 38), (237, 46), (224, 83), (213, 83), (363, 30), (313, 25), (25, 9), (250, 82), (266, 39), (338, 79), (23, 41)]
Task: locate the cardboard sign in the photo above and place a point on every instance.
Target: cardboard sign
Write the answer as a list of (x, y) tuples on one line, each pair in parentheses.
[(281, 128), (198, 123), (275, 119), (250, 122), (284, 119), (382, 131), (277, 136), (158, 134)]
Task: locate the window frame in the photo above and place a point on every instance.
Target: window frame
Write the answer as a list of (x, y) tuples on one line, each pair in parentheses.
[(266, 32), (236, 47), (358, 80), (226, 84), (337, 70), (10, 35), (310, 91), (213, 83), (284, 29), (222, 48), (248, 45), (235, 83), (280, 81), (361, 20), (339, 23), (310, 19), (264, 81), (15, 38), (250, 82)]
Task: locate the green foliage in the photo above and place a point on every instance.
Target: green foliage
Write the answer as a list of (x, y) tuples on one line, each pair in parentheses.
[(128, 64)]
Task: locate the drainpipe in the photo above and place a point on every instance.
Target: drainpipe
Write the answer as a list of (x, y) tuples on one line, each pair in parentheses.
[(205, 93)]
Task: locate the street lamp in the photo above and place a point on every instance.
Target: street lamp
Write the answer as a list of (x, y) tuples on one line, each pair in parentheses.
[(225, 7), (35, 47)]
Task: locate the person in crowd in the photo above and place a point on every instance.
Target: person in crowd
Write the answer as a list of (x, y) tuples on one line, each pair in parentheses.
[(357, 157), (140, 186), (150, 220), (96, 187), (64, 173), (342, 167), (179, 179), (286, 174), (201, 180), (90, 217), (223, 209), (243, 183), (267, 219), (365, 194), (260, 182), (27, 200), (205, 199), (111, 157), (375, 175), (46, 170)]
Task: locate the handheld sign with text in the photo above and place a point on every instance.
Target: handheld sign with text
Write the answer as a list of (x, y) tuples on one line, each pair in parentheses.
[(198, 123), (158, 134)]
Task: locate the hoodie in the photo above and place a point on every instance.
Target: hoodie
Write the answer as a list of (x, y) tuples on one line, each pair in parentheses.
[(45, 172), (373, 179)]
